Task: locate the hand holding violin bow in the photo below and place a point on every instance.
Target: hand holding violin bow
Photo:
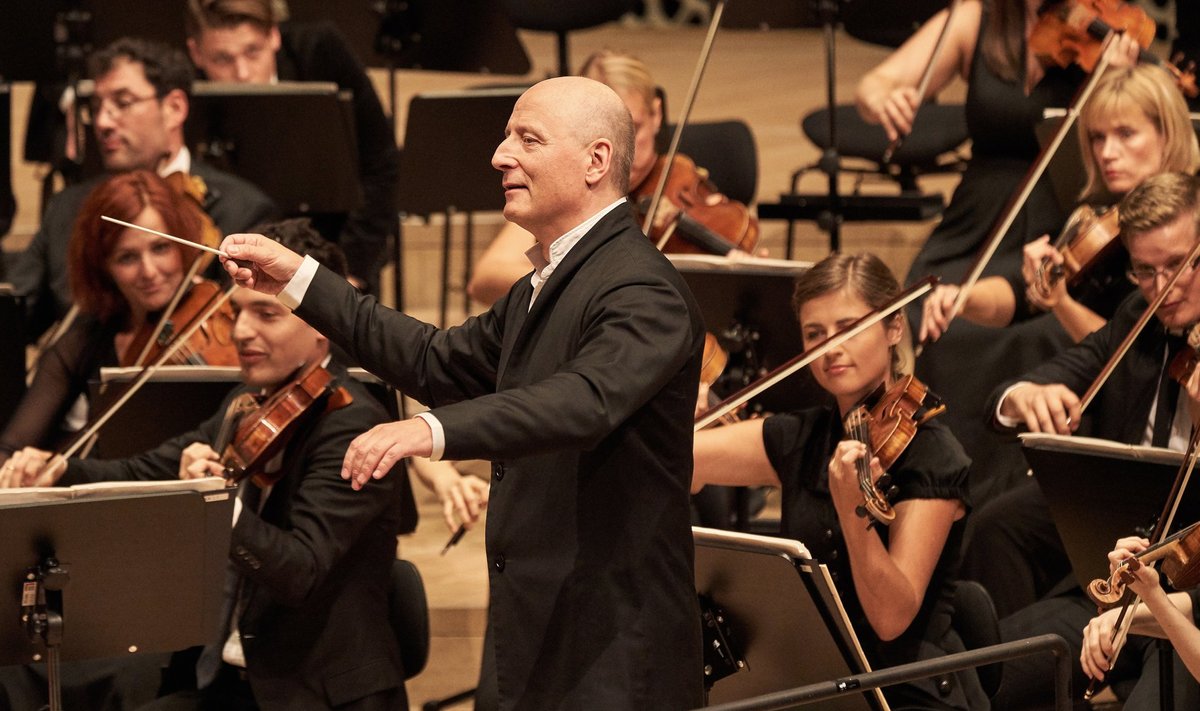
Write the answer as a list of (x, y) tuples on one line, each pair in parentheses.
[(30, 466)]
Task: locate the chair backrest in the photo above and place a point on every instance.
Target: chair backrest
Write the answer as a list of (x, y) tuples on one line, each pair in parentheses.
[(559, 16), (976, 623), (408, 613), (727, 150)]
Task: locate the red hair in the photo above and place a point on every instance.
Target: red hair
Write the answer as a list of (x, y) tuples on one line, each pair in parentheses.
[(123, 196)]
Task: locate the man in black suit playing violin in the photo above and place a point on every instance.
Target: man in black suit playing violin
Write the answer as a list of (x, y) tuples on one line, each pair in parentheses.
[(310, 557), (1014, 543)]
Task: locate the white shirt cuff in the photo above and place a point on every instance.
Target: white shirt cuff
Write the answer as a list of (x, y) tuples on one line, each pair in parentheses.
[(1004, 420), (439, 435), (293, 292)]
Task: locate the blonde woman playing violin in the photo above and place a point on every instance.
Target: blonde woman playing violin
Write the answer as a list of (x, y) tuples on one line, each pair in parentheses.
[(896, 581)]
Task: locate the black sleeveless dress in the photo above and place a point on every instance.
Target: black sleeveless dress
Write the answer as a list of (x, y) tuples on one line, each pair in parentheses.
[(969, 360)]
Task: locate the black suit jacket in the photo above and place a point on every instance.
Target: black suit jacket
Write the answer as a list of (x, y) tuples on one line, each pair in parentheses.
[(1122, 407), (40, 272), (317, 52), (584, 404), (314, 565)]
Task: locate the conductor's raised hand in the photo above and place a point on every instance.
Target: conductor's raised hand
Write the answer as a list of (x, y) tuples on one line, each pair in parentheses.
[(373, 454), (259, 263)]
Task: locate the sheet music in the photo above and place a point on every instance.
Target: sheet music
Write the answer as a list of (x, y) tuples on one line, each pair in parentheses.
[(1105, 447), (36, 494), (700, 262)]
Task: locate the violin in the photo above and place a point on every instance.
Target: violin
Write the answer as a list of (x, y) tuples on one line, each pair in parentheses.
[(210, 344), (698, 227), (1073, 31), (886, 423), (1088, 238), (265, 431), (1184, 363), (1180, 556)]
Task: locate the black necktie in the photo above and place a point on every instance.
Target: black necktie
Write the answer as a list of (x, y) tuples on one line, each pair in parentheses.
[(1168, 396)]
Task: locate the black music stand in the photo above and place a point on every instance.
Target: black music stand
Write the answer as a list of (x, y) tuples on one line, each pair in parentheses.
[(109, 576), (779, 617), (195, 394), (244, 128), (446, 164), (12, 352), (747, 305), (1099, 491)]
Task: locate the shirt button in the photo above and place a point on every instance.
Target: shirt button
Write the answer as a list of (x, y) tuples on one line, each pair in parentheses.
[(499, 563), (498, 471), (829, 534), (833, 554)]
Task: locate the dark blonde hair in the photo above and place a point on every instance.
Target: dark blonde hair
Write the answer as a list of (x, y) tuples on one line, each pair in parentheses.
[(1003, 39), (1150, 90), (123, 196), (1159, 200), (863, 275), (203, 15)]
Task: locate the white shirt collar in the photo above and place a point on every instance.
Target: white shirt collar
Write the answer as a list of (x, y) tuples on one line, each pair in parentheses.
[(559, 248), (181, 163)]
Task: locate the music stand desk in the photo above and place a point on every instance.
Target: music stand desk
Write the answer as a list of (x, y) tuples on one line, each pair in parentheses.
[(785, 614), (147, 571), (1099, 491), (246, 128), (446, 162)]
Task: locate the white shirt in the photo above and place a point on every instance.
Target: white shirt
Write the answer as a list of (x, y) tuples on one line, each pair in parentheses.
[(181, 163), (293, 293)]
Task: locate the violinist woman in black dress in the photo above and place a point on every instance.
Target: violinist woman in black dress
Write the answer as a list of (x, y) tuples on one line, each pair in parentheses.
[(896, 581), (121, 280), (1007, 90)]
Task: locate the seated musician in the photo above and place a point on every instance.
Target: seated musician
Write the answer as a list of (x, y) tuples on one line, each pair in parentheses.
[(243, 41), (137, 110), (505, 260), (896, 582), (1014, 548), (312, 556), (1173, 616), (123, 279), (1135, 125)]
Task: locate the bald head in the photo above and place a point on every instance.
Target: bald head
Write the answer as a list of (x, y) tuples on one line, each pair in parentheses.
[(566, 154)]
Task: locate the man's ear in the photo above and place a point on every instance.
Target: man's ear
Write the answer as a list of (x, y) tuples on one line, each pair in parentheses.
[(175, 109), (600, 161)]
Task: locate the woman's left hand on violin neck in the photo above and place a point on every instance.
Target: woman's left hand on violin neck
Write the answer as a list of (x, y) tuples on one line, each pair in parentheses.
[(843, 476)]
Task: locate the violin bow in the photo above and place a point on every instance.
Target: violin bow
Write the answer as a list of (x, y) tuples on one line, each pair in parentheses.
[(169, 311), (926, 77), (786, 370), (1123, 348), (1028, 183), (697, 76)]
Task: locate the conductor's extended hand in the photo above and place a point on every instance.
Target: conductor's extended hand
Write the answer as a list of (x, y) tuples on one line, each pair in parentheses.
[(259, 263), (373, 453)]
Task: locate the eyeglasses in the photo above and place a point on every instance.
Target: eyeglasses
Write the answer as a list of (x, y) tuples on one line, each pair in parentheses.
[(1145, 274), (116, 106)]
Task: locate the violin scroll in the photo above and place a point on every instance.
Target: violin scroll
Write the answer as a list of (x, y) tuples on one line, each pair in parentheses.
[(1180, 562)]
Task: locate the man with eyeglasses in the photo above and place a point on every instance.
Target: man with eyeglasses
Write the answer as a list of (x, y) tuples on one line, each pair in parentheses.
[(1139, 404), (243, 41), (137, 111)]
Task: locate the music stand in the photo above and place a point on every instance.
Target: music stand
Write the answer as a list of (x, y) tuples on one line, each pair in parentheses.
[(746, 304), (784, 617), (145, 573), (244, 128), (446, 164), (12, 352), (1099, 491)]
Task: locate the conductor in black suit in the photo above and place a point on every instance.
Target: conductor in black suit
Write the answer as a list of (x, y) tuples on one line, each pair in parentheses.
[(579, 385), (242, 41), (138, 108)]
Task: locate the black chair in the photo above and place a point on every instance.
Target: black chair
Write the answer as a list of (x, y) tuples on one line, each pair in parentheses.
[(726, 149), (408, 613), (562, 17), (976, 623)]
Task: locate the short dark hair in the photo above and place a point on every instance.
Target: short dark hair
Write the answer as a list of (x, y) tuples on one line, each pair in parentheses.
[(165, 67), (1158, 201), (298, 235), (224, 14)]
